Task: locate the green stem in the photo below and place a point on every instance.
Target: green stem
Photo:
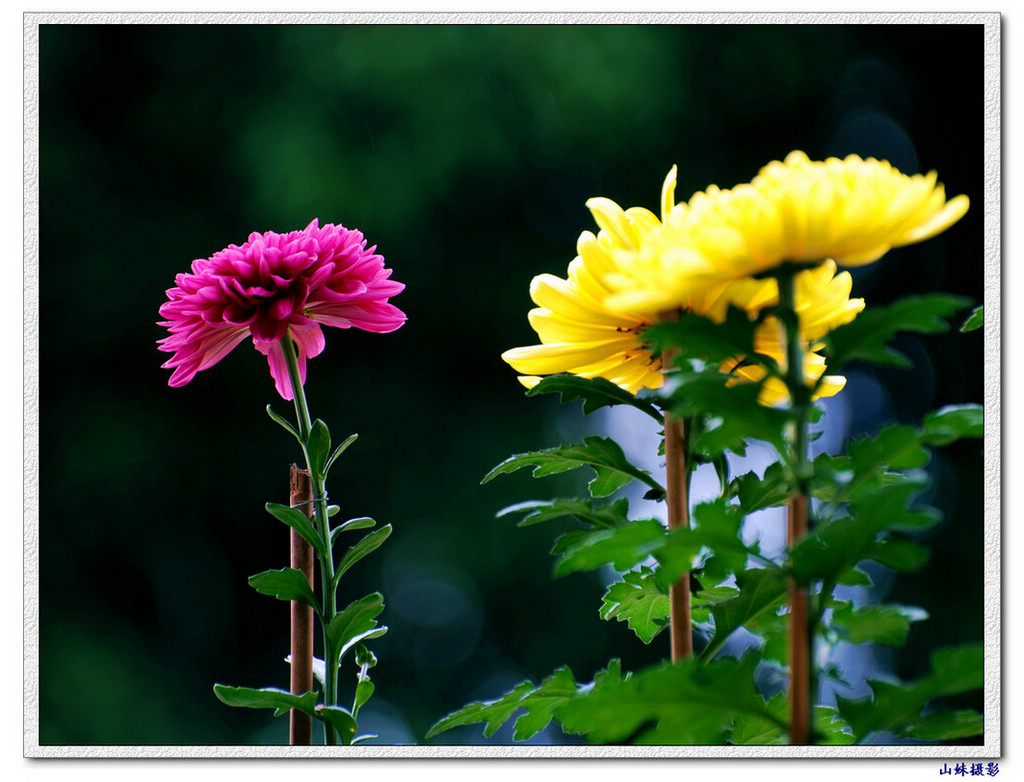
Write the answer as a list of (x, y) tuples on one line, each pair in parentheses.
[(328, 599)]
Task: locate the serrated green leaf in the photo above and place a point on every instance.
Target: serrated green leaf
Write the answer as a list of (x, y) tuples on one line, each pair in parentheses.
[(341, 720), (494, 713), (975, 320), (867, 337), (299, 522), (836, 545), (622, 548), (880, 624), (285, 584), (688, 702), (830, 728), (951, 423), (356, 622), (755, 493), (899, 707), (750, 729), (595, 392), (367, 545), (892, 448), (716, 527), (731, 413), (694, 336), (266, 698), (612, 469), (639, 602), (761, 591), (318, 447), (611, 516), (541, 703)]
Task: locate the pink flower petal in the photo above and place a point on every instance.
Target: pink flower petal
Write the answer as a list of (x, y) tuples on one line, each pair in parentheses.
[(272, 285)]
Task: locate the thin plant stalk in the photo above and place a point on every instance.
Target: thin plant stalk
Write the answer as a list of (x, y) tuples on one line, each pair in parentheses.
[(322, 524), (800, 635), (676, 497), (677, 479), (301, 559)]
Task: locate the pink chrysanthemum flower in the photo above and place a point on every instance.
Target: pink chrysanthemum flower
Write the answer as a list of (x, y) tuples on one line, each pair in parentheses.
[(277, 285)]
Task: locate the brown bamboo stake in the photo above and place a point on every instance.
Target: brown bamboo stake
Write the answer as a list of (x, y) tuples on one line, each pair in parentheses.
[(301, 726), (680, 627), (799, 639)]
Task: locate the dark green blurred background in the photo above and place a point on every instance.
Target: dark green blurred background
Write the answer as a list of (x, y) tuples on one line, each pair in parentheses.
[(466, 154)]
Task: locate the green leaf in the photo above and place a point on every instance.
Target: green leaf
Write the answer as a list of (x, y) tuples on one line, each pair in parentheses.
[(946, 726), (732, 413), (363, 522), (366, 545), (266, 698), (341, 720), (866, 338), (697, 337), (900, 708), (639, 602), (762, 590), (356, 623), (880, 624), (975, 320), (339, 451), (299, 522), (950, 423), (893, 447), (603, 455), (611, 516), (756, 493), (364, 690), (283, 422), (717, 527), (900, 554), (830, 728), (318, 447), (623, 547), (285, 584), (494, 713), (541, 703), (836, 545), (689, 702), (957, 669), (595, 393)]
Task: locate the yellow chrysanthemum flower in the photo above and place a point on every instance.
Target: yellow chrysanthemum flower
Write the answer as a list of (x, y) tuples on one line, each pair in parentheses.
[(852, 211), (579, 334)]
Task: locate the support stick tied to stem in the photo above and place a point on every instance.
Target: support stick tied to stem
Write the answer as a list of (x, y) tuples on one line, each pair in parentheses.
[(301, 559)]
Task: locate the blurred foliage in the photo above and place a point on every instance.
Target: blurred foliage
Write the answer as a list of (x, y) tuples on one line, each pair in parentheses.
[(466, 153)]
